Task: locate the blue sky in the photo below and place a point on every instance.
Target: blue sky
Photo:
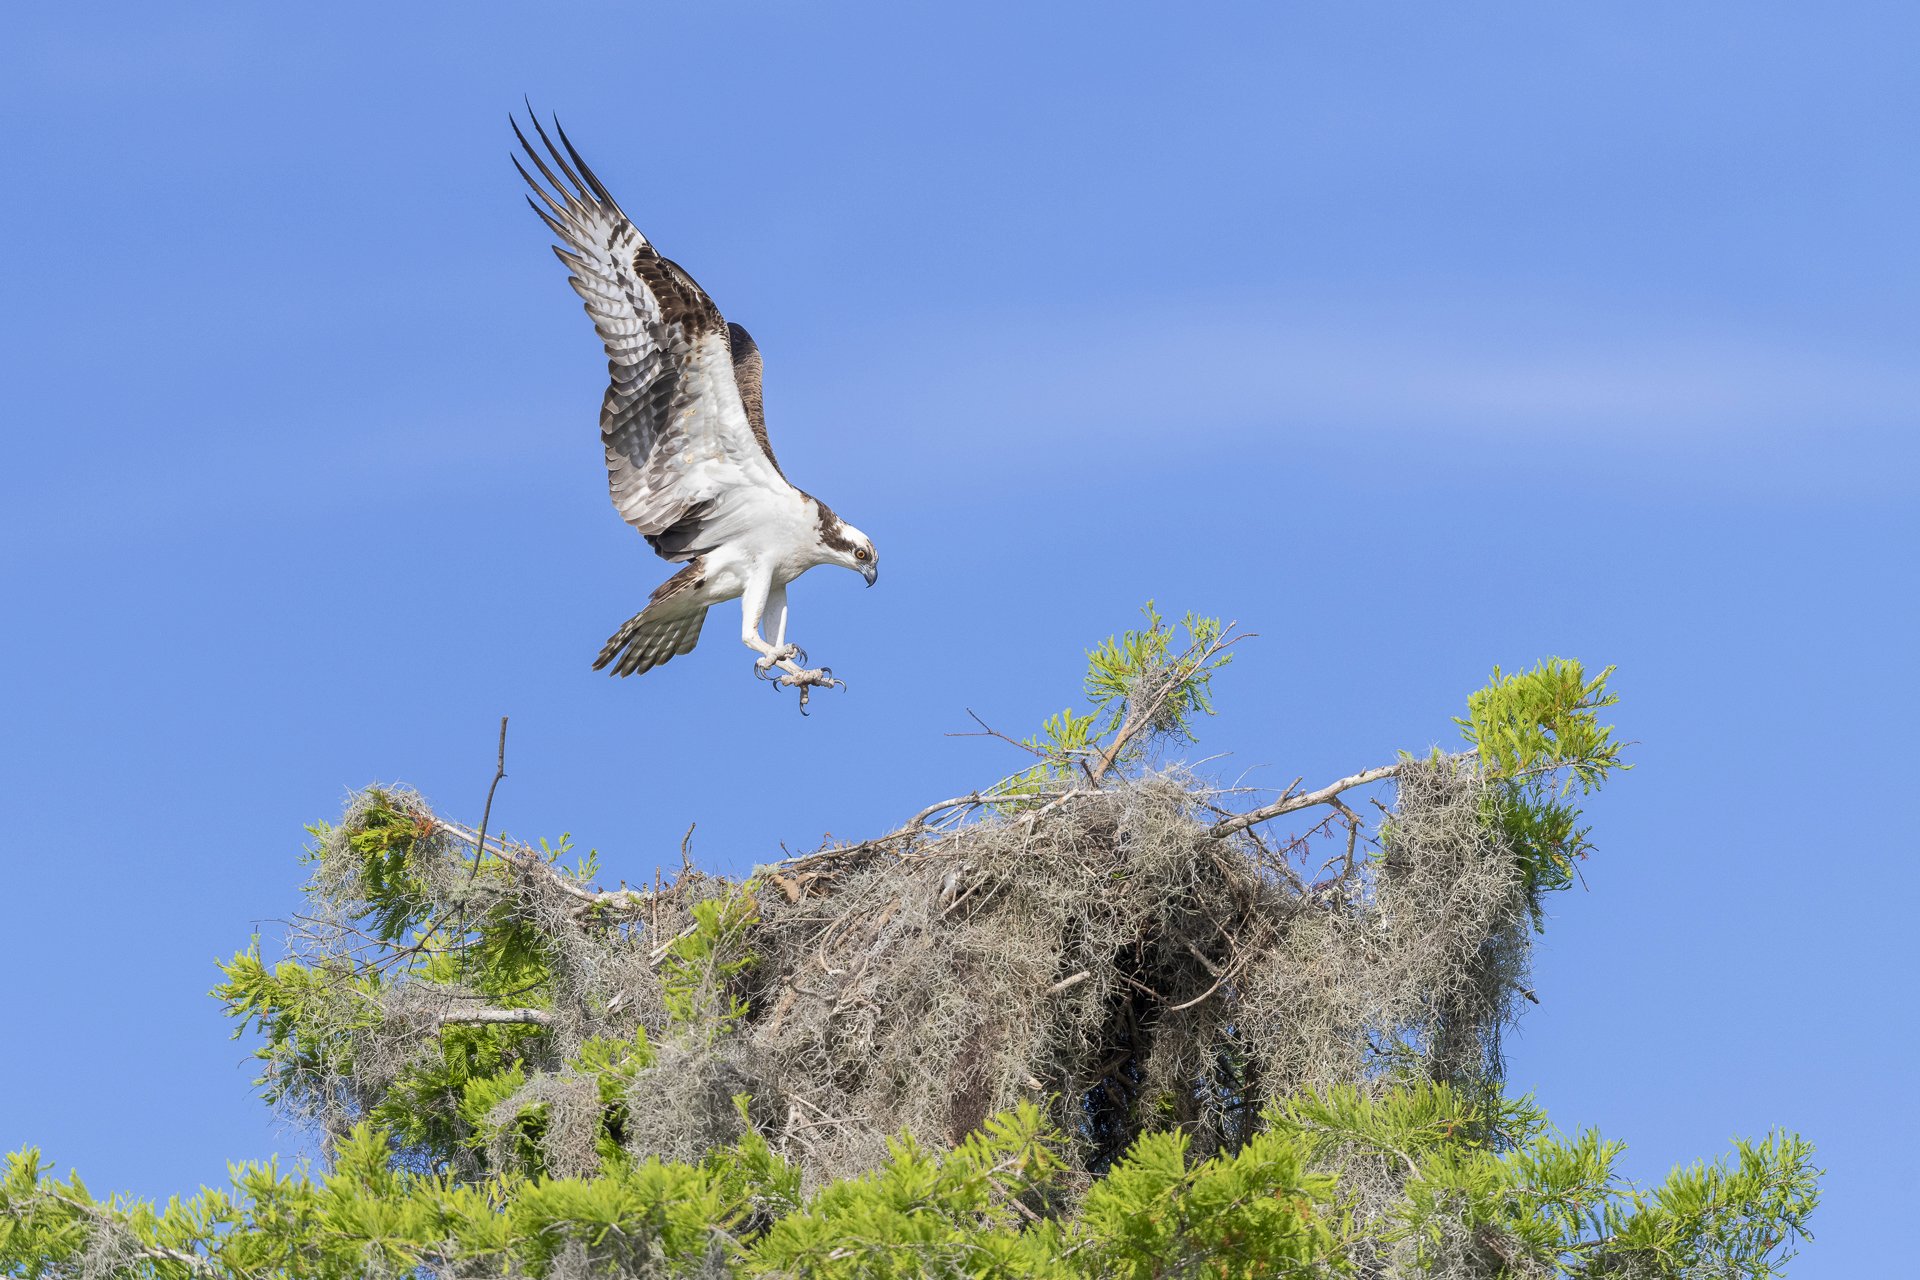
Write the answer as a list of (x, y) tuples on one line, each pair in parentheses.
[(1417, 338)]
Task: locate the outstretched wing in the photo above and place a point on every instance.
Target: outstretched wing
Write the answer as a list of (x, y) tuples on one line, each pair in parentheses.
[(686, 463), (746, 374)]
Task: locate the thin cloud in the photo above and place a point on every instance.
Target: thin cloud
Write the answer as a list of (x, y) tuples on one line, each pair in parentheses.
[(1718, 406)]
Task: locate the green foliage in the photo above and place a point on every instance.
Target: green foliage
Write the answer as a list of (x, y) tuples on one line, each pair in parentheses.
[(446, 1171), (305, 1016), (510, 1136), (313, 1017), (423, 1108), (311, 1021), (1138, 687), (384, 838), (702, 963), (1065, 740), (612, 1062), (1258, 1212), (927, 1215), (1539, 738), (1118, 667), (1544, 720), (1515, 1197), (1287, 1204)]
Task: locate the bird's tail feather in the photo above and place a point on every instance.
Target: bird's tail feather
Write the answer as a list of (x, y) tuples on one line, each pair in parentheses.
[(643, 643)]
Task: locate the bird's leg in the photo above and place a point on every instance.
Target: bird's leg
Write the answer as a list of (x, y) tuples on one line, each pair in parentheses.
[(776, 618), (769, 602), (765, 602), (753, 606)]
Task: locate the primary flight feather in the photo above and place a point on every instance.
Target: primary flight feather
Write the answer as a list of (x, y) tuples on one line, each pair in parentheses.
[(689, 463)]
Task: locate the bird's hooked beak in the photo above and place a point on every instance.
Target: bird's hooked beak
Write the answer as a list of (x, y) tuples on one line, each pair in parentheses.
[(871, 573)]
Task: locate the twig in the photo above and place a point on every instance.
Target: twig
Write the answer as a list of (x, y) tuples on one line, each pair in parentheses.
[(988, 731), (787, 998), (1353, 838), (1217, 982), (499, 772), (659, 953), (1236, 960), (1072, 980), (473, 872), (1212, 969), (1326, 795)]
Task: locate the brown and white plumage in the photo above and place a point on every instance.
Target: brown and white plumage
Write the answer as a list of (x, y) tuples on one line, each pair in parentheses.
[(689, 463)]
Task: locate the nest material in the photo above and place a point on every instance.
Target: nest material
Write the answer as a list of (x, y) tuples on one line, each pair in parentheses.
[(1099, 953)]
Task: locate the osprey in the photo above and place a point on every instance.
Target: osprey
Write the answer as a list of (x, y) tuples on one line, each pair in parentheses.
[(688, 459)]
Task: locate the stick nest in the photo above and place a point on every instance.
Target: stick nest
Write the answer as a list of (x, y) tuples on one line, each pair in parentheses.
[(1100, 952)]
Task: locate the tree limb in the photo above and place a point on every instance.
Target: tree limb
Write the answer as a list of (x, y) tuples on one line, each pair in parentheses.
[(1289, 804)]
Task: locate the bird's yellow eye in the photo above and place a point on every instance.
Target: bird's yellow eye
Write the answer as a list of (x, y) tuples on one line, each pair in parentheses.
[(862, 554)]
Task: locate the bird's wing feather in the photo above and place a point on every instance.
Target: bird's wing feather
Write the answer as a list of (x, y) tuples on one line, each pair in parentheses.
[(668, 626), (686, 461), (746, 374)]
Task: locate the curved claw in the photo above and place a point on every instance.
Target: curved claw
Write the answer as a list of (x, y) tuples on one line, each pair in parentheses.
[(799, 654)]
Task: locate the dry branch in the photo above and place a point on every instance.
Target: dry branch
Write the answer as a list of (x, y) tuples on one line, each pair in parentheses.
[(529, 862), (1288, 804), (499, 772)]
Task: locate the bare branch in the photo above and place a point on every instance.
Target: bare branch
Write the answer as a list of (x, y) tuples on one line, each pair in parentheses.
[(529, 862), (499, 772), (1290, 804), (988, 731), (919, 822)]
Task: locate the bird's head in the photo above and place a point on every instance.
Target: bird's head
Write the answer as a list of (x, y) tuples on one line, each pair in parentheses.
[(854, 549), (842, 544)]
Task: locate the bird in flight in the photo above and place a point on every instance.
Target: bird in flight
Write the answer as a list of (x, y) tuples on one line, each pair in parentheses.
[(688, 459)]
